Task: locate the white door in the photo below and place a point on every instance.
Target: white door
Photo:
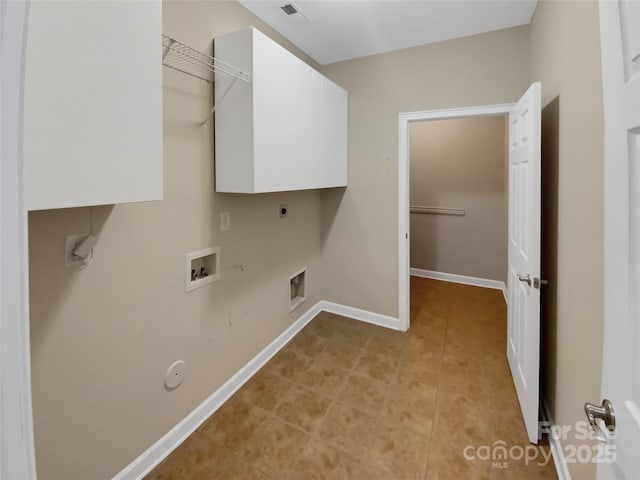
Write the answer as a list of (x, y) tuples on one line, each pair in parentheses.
[(620, 42), (523, 328), (17, 455)]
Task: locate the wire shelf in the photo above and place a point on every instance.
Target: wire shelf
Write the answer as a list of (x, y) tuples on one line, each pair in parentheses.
[(183, 58)]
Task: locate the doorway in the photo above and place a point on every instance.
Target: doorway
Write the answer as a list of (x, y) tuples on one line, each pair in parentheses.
[(405, 119), (459, 202)]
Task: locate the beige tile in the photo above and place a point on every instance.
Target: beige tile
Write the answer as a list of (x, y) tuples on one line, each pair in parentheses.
[(364, 394), (274, 448), (229, 468), (400, 452), (324, 326), (420, 371), (265, 390), (289, 364), (530, 472), (367, 471), (460, 430), (232, 425), (340, 356), (347, 429), (427, 326), (411, 409), (362, 328), (447, 463), (195, 454), (428, 320), (503, 388), (504, 404), (424, 349), (436, 304), (350, 337), (324, 378), (511, 431), (466, 329), (463, 368), (447, 376), (463, 348), (164, 471), (495, 344), (377, 367), (308, 344), (496, 367), (496, 332), (331, 320), (461, 395), (303, 408), (387, 343), (319, 461)]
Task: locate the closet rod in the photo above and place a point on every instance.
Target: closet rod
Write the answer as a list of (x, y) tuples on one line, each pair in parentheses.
[(437, 210)]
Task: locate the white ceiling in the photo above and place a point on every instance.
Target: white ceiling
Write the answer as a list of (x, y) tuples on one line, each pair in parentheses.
[(338, 30)]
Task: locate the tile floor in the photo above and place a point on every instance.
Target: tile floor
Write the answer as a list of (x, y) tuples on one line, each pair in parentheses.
[(348, 400)]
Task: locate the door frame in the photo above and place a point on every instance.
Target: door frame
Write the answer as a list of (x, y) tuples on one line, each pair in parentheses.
[(404, 119), (17, 452)]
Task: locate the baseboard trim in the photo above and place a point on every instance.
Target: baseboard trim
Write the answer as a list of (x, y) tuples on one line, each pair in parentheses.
[(555, 445), (362, 315), (464, 279), (149, 459), (155, 454)]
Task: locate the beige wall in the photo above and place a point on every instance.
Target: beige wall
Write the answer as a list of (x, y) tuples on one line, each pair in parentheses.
[(460, 163), (103, 336), (565, 57), (360, 253)]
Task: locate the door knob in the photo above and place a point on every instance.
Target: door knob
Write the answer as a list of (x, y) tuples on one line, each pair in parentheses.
[(604, 412), (535, 281), (524, 279)]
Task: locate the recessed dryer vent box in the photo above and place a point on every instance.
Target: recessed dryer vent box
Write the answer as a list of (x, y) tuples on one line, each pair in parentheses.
[(202, 268), (297, 285)]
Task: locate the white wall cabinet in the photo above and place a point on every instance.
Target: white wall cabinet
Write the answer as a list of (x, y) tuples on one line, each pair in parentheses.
[(93, 103), (284, 130)]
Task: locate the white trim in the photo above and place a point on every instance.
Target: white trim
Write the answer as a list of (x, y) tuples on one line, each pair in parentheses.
[(464, 279), (403, 187), (362, 315), (17, 452), (178, 434), (403, 222), (150, 458), (555, 445)]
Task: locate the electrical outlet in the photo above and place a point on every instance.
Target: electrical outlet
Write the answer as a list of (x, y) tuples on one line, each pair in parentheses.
[(70, 243), (225, 221)]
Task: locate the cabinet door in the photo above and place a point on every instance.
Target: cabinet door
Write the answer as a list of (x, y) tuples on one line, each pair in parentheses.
[(287, 119), (334, 134), (234, 160), (93, 103)]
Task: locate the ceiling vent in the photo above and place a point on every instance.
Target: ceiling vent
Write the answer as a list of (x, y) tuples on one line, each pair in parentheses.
[(294, 12), (290, 8)]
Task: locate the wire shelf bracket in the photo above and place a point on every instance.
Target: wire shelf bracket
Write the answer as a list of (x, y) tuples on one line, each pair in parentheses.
[(182, 58)]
